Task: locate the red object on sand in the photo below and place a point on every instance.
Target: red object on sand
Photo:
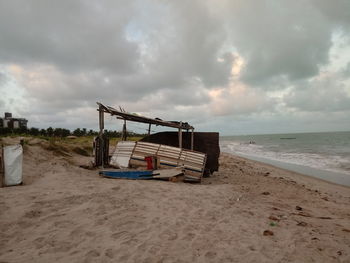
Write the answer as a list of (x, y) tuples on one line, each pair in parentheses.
[(149, 160)]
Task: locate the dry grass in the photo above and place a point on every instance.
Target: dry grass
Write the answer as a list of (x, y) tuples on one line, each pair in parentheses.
[(61, 146)]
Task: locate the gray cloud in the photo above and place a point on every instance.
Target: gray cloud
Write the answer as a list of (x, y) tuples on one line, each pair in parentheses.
[(338, 12), (346, 71), (171, 58), (3, 79), (74, 36), (281, 39), (325, 94)]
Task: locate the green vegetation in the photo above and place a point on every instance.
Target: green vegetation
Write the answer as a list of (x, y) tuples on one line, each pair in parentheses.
[(62, 132), (62, 141), (82, 145)]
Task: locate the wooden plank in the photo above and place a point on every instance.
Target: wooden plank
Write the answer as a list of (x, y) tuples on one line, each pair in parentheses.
[(149, 129), (168, 156), (192, 139), (142, 146), (144, 152), (175, 156), (191, 159), (100, 152), (180, 137), (167, 173), (147, 143)]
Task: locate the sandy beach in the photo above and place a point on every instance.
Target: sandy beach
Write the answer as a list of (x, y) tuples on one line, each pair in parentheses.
[(246, 212)]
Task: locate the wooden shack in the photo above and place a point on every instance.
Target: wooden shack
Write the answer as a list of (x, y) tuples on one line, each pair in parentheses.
[(185, 137)]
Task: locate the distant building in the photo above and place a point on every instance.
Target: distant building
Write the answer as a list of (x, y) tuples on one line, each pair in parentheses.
[(13, 123)]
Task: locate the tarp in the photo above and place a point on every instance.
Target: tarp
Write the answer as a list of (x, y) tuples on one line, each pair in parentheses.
[(136, 175), (13, 156)]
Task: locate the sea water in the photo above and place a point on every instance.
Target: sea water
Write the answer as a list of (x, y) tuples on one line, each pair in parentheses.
[(324, 155)]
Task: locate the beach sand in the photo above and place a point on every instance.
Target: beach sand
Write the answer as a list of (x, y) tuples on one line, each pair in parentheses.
[(64, 213)]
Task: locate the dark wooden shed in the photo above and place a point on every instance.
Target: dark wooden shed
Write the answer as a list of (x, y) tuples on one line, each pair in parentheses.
[(205, 142)]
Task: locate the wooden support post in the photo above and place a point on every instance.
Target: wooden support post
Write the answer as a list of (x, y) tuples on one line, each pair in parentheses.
[(149, 129), (192, 139), (180, 136), (124, 131), (101, 119), (2, 166), (102, 126)]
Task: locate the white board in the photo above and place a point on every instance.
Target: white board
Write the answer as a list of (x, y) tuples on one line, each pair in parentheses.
[(168, 173), (122, 154), (13, 156)]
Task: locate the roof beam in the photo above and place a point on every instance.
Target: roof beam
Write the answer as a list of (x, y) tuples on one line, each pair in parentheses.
[(142, 119)]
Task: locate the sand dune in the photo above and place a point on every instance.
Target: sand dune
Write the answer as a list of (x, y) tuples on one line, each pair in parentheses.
[(64, 213)]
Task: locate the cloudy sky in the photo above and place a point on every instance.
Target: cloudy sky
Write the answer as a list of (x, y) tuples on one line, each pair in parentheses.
[(234, 66)]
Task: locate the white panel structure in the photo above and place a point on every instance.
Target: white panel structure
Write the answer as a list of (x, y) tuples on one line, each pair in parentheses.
[(170, 157), (122, 154), (13, 157)]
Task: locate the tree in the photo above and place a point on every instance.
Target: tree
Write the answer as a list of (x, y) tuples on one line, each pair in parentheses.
[(49, 131), (43, 132), (77, 132), (91, 132), (65, 132), (34, 131)]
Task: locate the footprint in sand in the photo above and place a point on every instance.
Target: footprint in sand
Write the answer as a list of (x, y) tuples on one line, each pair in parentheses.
[(62, 224), (123, 258), (62, 247), (155, 220), (76, 232), (90, 234), (153, 250), (168, 235), (109, 253), (33, 214), (124, 235), (210, 255), (189, 237), (92, 253), (131, 242), (39, 242), (115, 188)]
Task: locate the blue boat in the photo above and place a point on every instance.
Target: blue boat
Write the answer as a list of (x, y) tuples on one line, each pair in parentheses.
[(135, 175)]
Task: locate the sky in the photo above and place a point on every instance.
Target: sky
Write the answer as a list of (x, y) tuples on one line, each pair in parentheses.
[(232, 66)]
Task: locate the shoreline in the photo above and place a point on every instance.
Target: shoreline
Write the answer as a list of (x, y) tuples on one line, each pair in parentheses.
[(299, 178), (333, 177)]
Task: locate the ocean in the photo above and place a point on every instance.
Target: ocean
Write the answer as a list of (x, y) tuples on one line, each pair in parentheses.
[(324, 155)]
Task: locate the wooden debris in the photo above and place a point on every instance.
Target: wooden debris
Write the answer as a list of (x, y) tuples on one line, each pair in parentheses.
[(302, 224), (305, 214), (268, 233), (170, 157), (167, 173), (274, 218)]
